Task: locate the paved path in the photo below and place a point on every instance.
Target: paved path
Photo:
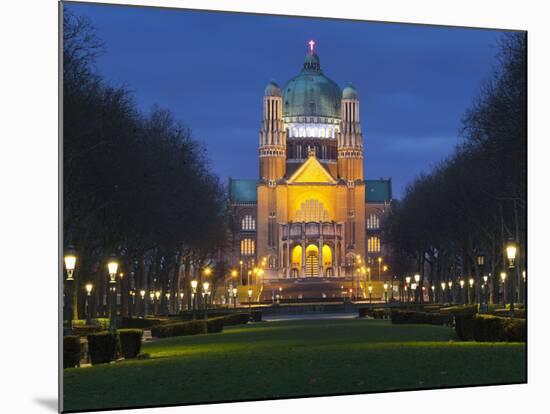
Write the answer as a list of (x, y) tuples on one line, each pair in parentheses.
[(308, 316)]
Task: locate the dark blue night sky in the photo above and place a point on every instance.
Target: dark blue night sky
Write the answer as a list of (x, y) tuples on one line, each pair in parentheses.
[(210, 70)]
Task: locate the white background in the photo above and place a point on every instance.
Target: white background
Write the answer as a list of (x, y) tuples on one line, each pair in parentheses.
[(29, 200)]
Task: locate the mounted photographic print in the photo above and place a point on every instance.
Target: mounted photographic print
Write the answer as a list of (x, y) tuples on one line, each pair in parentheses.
[(259, 207)]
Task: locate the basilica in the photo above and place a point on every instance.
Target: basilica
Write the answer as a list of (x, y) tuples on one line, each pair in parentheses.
[(310, 214)]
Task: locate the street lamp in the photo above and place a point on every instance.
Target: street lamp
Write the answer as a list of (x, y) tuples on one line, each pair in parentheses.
[(486, 289), (408, 280), (450, 284), (89, 288), (471, 282), (511, 251), (205, 292), (443, 285), (416, 292), (157, 301), (249, 300), (142, 295), (194, 284), (433, 292), (152, 299), (235, 298), (182, 294), (385, 292), (70, 263), (167, 294), (112, 266), (480, 259), (503, 280), (461, 282)]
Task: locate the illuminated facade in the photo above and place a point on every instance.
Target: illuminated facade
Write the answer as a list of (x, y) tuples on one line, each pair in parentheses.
[(310, 213)]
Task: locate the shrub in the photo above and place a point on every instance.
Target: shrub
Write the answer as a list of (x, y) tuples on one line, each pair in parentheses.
[(141, 323), (85, 330), (71, 351), (130, 342), (102, 347), (490, 328), (460, 310), (464, 327), (215, 325), (236, 319), (431, 318), (376, 313), (179, 329), (518, 313)]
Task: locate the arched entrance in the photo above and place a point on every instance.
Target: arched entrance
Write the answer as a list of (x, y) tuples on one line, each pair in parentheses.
[(296, 261), (327, 260), (312, 261)]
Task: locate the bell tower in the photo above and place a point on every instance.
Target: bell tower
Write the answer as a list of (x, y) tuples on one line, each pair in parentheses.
[(350, 138), (272, 143)]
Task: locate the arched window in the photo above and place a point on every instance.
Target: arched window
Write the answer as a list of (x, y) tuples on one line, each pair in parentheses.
[(373, 244), (247, 247), (373, 221), (248, 223), (312, 210)]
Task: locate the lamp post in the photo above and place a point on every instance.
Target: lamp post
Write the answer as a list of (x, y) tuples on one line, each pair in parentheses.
[(450, 284), (167, 294), (379, 268), (462, 291), (433, 292), (471, 282), (234, 298), (249, 301), (503, 280), (157, 302), (480, 259), (194, 284), (205, 287), (385, 292), (416, 291), (142, 295), (408, 280), (152, 299), (112, 266), (485, 289), (406, 289), (122, 295), (70, 263), (511, 251), (443, 285), (89, 288), (182, 295)]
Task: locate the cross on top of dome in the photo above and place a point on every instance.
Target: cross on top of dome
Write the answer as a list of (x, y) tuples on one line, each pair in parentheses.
[(311, 44)]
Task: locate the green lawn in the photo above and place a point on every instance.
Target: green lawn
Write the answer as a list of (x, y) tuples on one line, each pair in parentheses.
[(298, 358)]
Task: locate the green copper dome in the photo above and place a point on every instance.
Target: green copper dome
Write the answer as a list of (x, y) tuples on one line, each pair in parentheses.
[(350, 92), (311, 93)]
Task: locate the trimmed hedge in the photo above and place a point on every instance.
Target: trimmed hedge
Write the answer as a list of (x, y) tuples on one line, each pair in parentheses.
[(430, 318), (518, 313), (236, 319), (130, 342), (141, 323), (490, 328), (102, 347), (71, 351), (460, 310), (85, 330), (215, 325), (179, 329), (376, 313)]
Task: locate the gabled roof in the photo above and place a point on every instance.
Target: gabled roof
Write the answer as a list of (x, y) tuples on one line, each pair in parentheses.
[(311, 171), (243, 191), (378, 191)]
